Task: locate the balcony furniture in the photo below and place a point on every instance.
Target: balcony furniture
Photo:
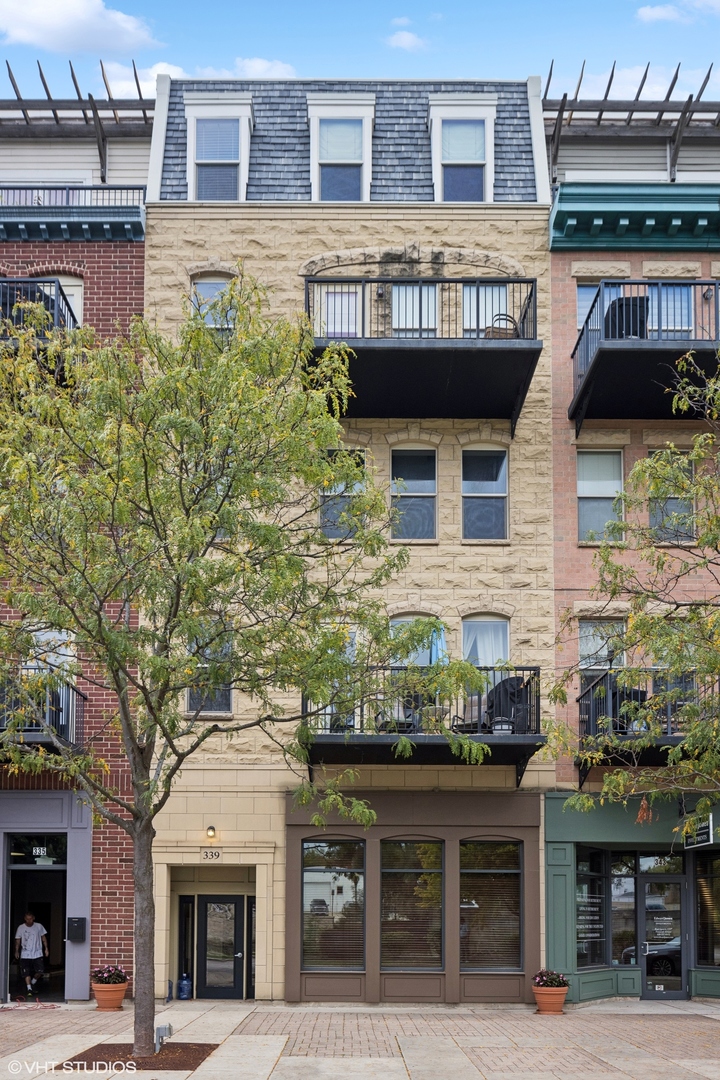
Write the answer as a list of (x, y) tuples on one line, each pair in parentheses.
[(508, 705), (627, 317), (504, 327), (470, 721)]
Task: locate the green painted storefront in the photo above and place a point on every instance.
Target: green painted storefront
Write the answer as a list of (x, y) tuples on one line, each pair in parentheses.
[(610, 828)]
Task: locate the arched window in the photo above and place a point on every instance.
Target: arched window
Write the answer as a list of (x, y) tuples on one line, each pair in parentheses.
[(204, 291), (486, 640)]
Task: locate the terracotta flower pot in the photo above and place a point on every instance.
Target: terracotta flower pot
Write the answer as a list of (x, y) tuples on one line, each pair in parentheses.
[(109, 996), (550, 999)]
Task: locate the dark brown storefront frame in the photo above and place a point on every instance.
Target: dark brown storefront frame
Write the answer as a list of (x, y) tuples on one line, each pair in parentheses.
[(447, 816)]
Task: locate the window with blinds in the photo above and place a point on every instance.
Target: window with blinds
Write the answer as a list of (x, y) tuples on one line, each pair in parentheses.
[(333, 905), (708, 910), (217, 156), (490, 906), (412, 905)]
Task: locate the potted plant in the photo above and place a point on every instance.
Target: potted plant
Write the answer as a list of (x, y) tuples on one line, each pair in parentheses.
[(109, 984), (550, 989)]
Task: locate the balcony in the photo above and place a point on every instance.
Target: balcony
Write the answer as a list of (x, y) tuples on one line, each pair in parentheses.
[(61, 708), (503, 714), (45, 291), (440, 347), (643, 706), (66, 212), (624, 358)]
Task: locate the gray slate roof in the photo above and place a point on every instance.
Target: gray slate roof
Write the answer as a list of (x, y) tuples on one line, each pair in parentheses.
[(402, 172)]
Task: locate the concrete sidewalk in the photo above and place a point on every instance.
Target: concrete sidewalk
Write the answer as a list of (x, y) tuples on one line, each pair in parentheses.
[(613, 1040)]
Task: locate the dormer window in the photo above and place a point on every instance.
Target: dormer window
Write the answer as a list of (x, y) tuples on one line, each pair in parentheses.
[(463, 160), (341, 160), (341, 146), (218, 146), (462, 142), (217, 159)]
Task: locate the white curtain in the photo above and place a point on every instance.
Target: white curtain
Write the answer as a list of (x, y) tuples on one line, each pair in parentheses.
[(485, 641)]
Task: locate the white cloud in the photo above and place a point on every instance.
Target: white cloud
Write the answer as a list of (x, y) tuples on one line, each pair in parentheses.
[(405, 39), (436, 17), (251, 68), (686, 11), (122, 80), (72, 26), (660, 13), (401, 21)]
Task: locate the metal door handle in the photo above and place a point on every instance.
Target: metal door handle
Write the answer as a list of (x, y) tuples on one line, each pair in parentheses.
[(645, 947), (238, 954)]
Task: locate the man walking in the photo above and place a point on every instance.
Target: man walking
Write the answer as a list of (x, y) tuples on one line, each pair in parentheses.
[(30, 945)]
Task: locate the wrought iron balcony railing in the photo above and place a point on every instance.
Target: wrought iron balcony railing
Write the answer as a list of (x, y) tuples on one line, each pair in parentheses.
[(61, 708), (45, 291), (647, 311), (39, 195), (424, 308), (642, 702), (505, 704)]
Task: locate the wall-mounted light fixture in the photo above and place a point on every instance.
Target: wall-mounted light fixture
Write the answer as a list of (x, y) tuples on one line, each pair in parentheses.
[(211, 831)]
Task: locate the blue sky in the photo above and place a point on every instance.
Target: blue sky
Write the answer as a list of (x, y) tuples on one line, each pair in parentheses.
[(429, 39)]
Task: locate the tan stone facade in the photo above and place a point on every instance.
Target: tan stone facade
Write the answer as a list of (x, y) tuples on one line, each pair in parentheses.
[(240, 787)]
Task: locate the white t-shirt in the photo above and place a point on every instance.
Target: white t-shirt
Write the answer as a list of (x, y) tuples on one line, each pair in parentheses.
[(30, 940)]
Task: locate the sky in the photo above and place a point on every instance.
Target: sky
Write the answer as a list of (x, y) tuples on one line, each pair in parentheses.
[(446, 39)]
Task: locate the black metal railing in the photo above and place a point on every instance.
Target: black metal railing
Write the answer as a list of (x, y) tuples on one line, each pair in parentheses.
[(45, 291), (445, 308), (647, 311), (402, 701), (641, 702), (101, 195), (61, 708)]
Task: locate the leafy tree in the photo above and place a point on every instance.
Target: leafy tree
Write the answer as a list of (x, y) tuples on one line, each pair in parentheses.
[(160, 539), (660, 567)]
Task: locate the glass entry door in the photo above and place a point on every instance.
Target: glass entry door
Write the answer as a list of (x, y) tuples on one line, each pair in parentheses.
[(221, 947), (663, 944)]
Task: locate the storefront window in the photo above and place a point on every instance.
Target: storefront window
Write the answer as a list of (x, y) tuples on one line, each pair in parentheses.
[(622, 901), (708, 910), (412, 905), (490, 892), (590, 908), (334, 905)]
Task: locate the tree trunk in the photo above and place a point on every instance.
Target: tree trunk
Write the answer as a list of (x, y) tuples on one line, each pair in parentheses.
[(144, 939)]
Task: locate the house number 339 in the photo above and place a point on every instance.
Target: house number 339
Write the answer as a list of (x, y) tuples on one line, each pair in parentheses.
[(211, 854)]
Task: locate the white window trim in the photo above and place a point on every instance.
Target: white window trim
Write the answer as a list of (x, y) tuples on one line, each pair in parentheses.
[(462, 107), (341, 107), (219, 107)]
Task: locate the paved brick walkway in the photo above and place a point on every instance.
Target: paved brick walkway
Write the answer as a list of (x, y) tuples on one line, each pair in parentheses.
[(610, 1041)]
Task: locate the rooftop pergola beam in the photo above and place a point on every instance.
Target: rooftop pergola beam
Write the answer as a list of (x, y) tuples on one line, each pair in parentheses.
[(43, 80), (555, 143), (101, 140), (639, 92), (77, 89), (16, 88), (623, 105), (671, 87), (679, 132)]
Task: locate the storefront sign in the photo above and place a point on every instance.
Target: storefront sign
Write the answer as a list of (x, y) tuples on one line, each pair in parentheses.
[(703, 835)]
